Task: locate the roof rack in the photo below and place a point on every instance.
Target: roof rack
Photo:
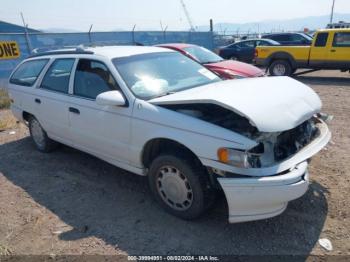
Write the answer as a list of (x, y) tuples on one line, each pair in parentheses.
[(77, 50), (80, 49)]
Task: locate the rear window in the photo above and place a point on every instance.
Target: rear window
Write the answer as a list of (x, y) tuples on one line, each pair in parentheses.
[(28, 72), (341, 39)]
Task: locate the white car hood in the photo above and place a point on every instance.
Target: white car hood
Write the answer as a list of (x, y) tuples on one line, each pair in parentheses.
[(272, 104)]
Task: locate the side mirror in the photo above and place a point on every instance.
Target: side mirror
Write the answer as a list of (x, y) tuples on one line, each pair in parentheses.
[(110, 98)]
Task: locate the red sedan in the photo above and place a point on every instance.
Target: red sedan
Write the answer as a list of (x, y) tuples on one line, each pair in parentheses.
[(227, 69)]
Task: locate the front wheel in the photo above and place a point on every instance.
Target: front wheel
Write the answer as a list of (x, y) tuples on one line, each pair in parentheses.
[(42, 142), (181, 187), (280, 68)]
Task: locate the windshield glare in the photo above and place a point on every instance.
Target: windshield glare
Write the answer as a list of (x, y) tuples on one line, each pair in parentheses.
[(157, 74), (203, 55)]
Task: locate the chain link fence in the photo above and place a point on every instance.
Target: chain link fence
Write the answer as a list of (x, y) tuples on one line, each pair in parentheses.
[(39, 42)]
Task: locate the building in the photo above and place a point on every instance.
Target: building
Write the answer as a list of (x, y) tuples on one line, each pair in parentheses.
[(13, 28), (341, 24)]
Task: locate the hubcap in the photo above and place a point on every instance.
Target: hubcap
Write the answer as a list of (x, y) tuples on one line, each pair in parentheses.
[(37, 133), (174, 188), (279, 70)]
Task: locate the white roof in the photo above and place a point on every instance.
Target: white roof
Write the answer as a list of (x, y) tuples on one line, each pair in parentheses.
[(122, 51)]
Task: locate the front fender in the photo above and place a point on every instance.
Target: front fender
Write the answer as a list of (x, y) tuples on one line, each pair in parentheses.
[(203, 139)]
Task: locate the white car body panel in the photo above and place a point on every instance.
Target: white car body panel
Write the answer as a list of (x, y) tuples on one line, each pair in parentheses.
[(257, 198), (118, 135), (291, 104)]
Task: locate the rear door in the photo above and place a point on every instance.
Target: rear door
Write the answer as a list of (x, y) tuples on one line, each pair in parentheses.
[(101, 130), (339, 54), (51, 99), (22, 86)]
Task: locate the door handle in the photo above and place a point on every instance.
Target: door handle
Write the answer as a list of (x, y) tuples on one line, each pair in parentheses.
[(37, 100), (333, 50), (74, 110)]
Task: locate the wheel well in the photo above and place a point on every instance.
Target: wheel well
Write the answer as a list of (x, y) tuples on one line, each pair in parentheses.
[(155, 147), (282, 56), (26, 115)]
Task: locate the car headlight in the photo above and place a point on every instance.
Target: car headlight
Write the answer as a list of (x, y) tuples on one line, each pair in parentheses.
[(238, 158)]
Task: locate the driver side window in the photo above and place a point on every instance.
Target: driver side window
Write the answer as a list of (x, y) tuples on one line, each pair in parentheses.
[(93, 78)]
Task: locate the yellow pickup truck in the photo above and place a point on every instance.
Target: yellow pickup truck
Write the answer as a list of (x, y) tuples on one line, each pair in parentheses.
[(330, 49)]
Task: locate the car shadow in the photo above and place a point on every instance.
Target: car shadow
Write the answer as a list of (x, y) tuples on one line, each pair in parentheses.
[(324, 80), (100, 200)]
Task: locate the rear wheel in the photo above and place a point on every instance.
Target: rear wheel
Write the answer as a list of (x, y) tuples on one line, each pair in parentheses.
[(280, 68), (180, 186), (42, 142)]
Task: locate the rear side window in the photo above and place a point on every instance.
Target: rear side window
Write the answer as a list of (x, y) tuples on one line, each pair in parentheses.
[(93, 78), (28, 72), (341, 39), (246, 44), (57, 77), (321, 40)]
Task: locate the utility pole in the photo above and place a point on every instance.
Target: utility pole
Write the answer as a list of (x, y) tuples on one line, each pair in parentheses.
[(331, 21)]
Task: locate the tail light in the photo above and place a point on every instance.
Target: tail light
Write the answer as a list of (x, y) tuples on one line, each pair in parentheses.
[(256, 53)]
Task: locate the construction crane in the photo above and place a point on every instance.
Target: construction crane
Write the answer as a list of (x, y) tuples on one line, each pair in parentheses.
[(189, 20)]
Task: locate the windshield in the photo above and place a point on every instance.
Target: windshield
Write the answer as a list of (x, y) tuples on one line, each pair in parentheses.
[(157, 74), (203, 55), (308, 37)]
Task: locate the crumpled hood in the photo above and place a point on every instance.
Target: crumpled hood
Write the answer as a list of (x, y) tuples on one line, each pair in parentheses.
[(272, 104)]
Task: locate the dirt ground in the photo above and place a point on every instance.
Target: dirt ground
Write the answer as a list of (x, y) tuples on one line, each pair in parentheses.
[(68, 202)]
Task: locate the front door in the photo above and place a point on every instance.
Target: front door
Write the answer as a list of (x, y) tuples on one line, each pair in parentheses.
[(101, 130)]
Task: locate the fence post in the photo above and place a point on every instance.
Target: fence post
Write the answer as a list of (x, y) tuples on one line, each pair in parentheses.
[(29, 48), (164, 34), (133, 34), (90, 33)]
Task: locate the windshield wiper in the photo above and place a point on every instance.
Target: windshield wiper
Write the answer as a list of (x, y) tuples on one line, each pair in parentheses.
[(213, 62), (165, 94)]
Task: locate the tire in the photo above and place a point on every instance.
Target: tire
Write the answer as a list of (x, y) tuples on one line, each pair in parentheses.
[(280, 68), (234, 58), (40, 139), (181, 186)]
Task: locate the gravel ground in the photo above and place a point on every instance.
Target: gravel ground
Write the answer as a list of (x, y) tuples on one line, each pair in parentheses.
[(68, 202)]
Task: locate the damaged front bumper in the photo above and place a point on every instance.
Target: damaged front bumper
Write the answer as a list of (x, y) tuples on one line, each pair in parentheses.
[(263, 197), (259, 193)]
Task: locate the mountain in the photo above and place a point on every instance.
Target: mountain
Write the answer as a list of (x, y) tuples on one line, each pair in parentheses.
[(59, 30), (297, 24)]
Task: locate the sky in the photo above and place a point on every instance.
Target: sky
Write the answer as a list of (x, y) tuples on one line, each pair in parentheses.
[(107, 15)]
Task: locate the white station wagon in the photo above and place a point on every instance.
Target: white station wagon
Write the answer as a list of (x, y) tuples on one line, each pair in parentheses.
[(157, 113)]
